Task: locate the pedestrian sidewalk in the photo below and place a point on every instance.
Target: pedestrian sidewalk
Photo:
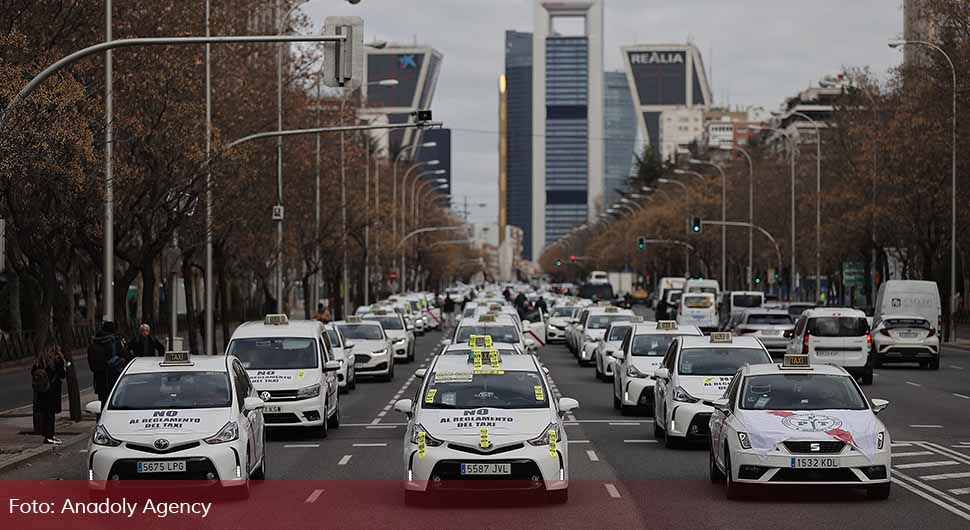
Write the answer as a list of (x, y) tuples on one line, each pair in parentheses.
[(18, 446)]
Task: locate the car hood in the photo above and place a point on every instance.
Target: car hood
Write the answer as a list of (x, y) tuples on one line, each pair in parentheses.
[(706, 387), (176, 426), (559, 322), (767, 428), (396, 333), (283, 379), (368, 346), (464, 425)]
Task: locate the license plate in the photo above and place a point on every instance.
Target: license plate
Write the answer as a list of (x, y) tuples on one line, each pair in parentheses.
[(814, 462), (826, 353), (771, 332), (908, 334), (175, 466), (486, 469), (272, 409)]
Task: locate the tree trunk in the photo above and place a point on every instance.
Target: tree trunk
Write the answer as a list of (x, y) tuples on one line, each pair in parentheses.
[(224, 313), (13, 290), (149, 314), (189, 301)]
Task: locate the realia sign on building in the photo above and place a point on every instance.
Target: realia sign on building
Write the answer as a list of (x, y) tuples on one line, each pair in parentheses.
[(657, 58)]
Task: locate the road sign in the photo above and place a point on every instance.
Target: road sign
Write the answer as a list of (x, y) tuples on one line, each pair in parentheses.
[(278, 212), (343, 62), (392, 276), (853, 274)]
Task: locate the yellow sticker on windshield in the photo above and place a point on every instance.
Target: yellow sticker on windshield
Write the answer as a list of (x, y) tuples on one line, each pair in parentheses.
[(540, 395), (477, 358), (300, 373), (552, 442), (493, 358), (430, 397), (422, 439), (483, 441)]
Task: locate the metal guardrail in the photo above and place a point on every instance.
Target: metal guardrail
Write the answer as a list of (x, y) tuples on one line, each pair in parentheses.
[(16, 346)]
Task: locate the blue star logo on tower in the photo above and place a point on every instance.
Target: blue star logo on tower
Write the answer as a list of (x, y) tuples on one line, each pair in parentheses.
[(407, 61)]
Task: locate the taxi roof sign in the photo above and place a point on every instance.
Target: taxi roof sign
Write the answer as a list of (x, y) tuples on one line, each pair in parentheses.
[(354, 320), (722, 337), (796, 361), (276, 320), (667, 325), (487, 318), (611, 309), (180, 358), (480, 341), (637, 319)]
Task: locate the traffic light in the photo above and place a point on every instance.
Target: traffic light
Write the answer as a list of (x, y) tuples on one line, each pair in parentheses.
[(641, 243), (559, 263), (695, 225), (757, 280), (572, 259)]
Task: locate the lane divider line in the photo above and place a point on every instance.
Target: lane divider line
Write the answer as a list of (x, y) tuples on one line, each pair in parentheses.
[(639, 441), (920, 426), (961, 396), (623, 423), (912, 383), (313, 497), (300, 446), (578, 441), (381, 427), (371, 445), (592, 456), (934, 500), (956, 367), (944, 476), (959, 491), (344, 459), (611, 489), (913, 453), (917, 465), (901, 444)]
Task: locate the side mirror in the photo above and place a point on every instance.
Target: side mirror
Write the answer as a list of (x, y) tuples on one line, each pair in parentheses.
[(546, 370), (420, 373), (253, 403), (661, 373), (349, 345), (567, 405), (720, 405), (331, 366), (93, 407), (403, 406), (526, 323), (879, 405)]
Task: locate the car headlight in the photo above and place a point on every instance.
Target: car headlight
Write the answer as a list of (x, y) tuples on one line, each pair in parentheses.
[(101, 437), (399, 340), (429, 440), (308, 392), (744, 440), (555, 328), (228, 433), (380, 352), (881, 440), (543, 439), (632, 371), (681, 395)]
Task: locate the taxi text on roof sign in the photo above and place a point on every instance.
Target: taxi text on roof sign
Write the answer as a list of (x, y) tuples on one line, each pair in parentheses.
[(177, 357), (480, 341), (796, 360), (667, 325), (276, 320), (486, 318), (611, 310), (353, 320), (721, 337)]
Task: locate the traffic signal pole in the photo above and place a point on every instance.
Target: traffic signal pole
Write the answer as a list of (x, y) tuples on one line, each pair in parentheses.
[(725, 224)]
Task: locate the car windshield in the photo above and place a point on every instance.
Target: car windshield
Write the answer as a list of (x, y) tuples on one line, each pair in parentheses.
[(838, 326), (746, 300), (673, 297), (800, 392), (565, 312), (507, 334), (618, 332), (275, 353), (468, 312), (718, 361), (651, 345), (908, 323), (393, 323), (698, 289), (334, 338), (694, 301), (172, 390), (465, 390), (771, 319), (603, 321), (361, 331), (466, 352), (596, 291)]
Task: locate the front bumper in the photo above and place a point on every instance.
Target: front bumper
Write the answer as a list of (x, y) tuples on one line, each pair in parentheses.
[(532, 468), (638, 392), (206, 465), (690, 420), (371, 364), (586, 350), (400, 350), (303, 413), (555, 334), (855, 469)]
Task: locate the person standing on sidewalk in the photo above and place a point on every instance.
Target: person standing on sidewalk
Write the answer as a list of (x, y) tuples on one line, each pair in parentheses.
[(145, 344), (449, 309), (106, 358), (46, 374)]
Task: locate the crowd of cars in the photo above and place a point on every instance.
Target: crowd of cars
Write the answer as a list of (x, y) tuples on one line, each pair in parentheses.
[(773, 390)]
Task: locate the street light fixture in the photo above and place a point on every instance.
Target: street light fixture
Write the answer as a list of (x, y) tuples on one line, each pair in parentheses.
[(686, 218), (732, 147)]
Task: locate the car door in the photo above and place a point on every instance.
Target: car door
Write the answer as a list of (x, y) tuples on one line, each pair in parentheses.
[(538, 328), (619, 371), (249, 421), (661, 387), (719, 425), (329, 378)]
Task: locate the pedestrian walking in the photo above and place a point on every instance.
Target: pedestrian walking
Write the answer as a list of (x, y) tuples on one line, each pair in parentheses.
[(145, 344), (449, 308), (323, 314), (46, 374), (107, 357)]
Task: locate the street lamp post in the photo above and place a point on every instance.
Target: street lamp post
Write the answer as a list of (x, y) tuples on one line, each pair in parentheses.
[(792, 150), (818, 204), (695, 175), (686, 218), (723, 217), (404, 184), (732, 147), (953, 180)]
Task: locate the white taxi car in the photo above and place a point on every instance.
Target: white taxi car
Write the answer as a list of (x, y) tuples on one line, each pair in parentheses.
[(604, 355), (695, 369), (485, 422), (560, 317), (346, 375), (192, 419), (292, 369), (698, 309), (598, 319), (637, 358), (795, 423), (838, 336), (500, 327), (371, 347), (905, 339), (402, 338)]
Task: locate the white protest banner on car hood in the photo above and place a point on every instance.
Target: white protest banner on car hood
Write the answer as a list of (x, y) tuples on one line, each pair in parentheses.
[(767, 428)]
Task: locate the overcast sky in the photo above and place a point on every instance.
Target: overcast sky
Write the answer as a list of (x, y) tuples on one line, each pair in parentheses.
[(761, 51)]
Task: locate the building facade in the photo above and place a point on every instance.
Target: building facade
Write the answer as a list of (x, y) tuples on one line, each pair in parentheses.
[(679, 127), (620, 139), (567, 117), (518, 161)]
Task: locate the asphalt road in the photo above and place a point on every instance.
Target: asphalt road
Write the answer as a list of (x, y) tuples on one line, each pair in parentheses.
[(620, 476)]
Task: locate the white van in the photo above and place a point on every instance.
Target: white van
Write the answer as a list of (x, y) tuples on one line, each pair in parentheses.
[(599, 277), (837, 336), (909, 298), (736, 302), (698, 309), (695, 285), (292, 370)]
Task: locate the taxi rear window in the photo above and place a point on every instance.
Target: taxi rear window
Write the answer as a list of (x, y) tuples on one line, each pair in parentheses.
[(275, 353), (698, 302), (392, 323), (746, 300), (507, 334), (468, 390), (651, 345), (603, 321), (769, 318), (910, 323), (565, 312), (618, 332), (172, 390)]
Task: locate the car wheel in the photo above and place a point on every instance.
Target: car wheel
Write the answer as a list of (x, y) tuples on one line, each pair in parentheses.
[(658, 431), (334, 420), (352, 383), (627, 410), (716, 474), (731, 488), (867, 376), (414, 498), (879, 491), (389, 376), (672, 442), (935, 364), (324, 430), (876, 361), (558, 496), (616, 402)]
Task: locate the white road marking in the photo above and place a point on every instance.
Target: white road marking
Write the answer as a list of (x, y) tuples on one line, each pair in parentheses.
[(918, 426), (381, 445), (934, 500), (578, 441), (945, 476), (639, 441), (960, 491), (370, 424), (82, 450), (382, 427), (295, 446), (382, 413), (592, 456), (939, 463), (386, 408), (901, 444), (344, 459), (956, 367), (313, 497), (912, 453), (570, 417), (912, 383), (960, 446), (375, 421), (611, 489), (623, 423), (961, 396)]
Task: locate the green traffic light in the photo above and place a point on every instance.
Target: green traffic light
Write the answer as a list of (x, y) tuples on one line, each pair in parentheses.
[(559, 263), (757, 280)]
